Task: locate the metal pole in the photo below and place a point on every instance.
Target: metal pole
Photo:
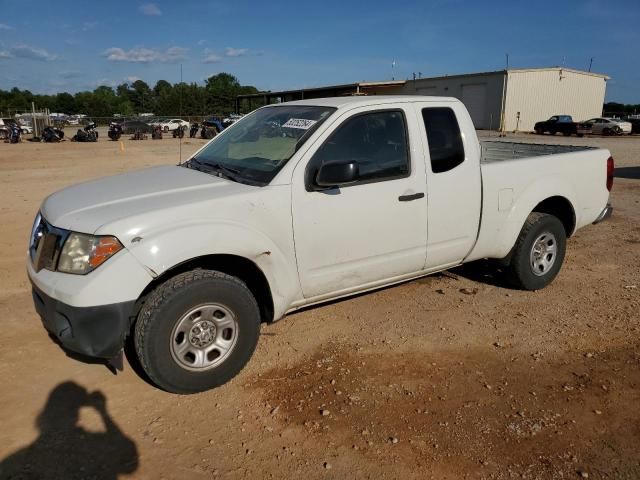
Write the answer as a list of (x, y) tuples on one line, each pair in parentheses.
[(504, 97), (590, 63), (33, 119)]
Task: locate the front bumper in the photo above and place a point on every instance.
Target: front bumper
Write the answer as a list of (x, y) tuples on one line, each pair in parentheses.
[(93, 331), (606, 213)]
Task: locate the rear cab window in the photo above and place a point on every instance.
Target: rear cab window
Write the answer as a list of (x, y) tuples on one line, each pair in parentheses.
[(446, 149)]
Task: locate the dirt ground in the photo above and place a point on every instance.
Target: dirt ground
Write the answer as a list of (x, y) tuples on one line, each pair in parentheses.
[(451, 376)]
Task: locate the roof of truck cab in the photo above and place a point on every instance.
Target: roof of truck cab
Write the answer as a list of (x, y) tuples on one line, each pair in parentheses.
[(363, 101)]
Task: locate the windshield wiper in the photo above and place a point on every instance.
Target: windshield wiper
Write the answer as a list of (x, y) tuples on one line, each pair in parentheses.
[(221, 170)]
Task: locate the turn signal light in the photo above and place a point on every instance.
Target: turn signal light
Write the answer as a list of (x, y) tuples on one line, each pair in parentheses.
[(104, 249)]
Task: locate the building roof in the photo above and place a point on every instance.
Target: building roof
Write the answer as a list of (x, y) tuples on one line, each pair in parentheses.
[(341, 86), (564, 69), (364, 101), (356, 86)]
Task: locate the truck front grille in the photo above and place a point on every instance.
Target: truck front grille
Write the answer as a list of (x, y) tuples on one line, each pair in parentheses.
[(45, 244)]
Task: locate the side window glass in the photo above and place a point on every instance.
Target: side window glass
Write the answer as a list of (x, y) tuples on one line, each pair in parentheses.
[(443, 136), (377, 141)]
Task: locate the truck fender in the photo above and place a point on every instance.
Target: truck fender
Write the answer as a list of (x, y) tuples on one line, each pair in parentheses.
[(500, 232), (527, 201), (162, 250)]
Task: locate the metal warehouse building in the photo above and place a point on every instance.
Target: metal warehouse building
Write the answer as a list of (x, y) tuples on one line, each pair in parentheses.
[(518, 97)]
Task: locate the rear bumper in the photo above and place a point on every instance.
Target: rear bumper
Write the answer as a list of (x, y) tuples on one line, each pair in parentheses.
[(606, 213), (93, 331)]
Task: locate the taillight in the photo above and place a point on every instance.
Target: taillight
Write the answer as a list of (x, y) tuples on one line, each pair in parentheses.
[(610, 168)]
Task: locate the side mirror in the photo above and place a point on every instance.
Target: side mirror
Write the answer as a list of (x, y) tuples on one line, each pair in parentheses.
[(337, 174)]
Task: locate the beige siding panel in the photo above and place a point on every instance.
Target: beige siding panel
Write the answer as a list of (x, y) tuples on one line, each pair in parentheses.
[(489, 112), (538, 95)]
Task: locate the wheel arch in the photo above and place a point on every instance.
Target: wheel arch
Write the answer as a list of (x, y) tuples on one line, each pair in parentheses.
[(559, 207), (234, 265)]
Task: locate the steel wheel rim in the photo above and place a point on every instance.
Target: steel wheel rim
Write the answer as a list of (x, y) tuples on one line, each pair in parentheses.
[(543, 253), (204, 337)]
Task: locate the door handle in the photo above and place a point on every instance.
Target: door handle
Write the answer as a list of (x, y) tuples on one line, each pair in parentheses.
[(408, 198)]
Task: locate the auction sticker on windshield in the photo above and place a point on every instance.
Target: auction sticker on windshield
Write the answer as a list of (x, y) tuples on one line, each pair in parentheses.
[(301, 123)]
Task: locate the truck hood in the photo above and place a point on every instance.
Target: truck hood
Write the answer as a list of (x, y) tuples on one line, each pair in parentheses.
[(87, 206)]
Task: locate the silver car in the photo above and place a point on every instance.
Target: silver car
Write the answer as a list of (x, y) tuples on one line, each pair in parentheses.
[(609, 126)]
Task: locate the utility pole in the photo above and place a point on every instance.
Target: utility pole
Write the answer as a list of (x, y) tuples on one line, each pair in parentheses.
[(590, 63)]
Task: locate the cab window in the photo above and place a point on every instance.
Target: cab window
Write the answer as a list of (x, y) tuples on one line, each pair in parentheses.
[(443, 137), (376, 141)]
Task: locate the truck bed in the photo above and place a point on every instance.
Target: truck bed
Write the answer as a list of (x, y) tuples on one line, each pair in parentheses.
[(499, 151), (515, 176)]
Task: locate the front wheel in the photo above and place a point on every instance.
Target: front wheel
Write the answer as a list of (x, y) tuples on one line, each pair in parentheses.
[(538, 253), (197, 331)]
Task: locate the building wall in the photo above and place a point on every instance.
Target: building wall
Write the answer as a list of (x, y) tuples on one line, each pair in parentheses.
[(539, 94), (481, 94)]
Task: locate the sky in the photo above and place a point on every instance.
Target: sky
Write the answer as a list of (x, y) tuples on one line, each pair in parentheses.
[(49, 47)]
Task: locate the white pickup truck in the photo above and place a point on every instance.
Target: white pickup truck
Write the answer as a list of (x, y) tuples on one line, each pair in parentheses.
[(297, 204)]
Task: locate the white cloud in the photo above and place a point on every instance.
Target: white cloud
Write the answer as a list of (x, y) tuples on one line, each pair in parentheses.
[(236, 52), (86, 26), (71, 74), (31, 53), (104, 82), (4, 26), (150, 9), (4, 55), (145, 55), (132, 79), (211, 57)]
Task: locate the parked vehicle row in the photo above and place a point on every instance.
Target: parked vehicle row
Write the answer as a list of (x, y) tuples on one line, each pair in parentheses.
[(596, 126)]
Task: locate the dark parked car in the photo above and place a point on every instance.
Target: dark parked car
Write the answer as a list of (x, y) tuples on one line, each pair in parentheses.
[(133, 126), (562, 124)]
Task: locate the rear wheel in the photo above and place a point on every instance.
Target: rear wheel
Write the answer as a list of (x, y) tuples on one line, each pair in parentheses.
[(197, 331), (539, 131), (538, 253)]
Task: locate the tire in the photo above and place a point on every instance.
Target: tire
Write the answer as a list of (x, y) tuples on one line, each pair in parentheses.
[(173, 327), (527, 269), (539, 131), (566, 134), (580, 135)]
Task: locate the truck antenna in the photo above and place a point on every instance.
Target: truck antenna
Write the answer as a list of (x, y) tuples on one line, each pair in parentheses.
[(180, 136)]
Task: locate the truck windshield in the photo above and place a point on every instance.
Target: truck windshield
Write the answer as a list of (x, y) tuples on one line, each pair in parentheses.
[(256, 147)]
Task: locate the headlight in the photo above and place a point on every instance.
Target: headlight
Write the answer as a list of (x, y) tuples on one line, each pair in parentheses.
[(82, 253)]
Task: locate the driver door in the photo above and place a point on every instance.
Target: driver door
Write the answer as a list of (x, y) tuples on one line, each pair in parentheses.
[(357, 236)]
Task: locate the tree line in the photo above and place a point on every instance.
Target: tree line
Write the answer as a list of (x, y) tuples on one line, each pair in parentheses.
[(217, 96), (621, 109)]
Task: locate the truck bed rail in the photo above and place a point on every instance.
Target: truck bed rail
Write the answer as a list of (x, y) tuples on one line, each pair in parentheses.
[(498, 151)]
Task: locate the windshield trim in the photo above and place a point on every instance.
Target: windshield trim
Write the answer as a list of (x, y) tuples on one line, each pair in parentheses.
[(235, 175)]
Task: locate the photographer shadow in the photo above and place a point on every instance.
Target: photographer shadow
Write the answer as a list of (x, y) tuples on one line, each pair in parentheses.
[(65, 450)]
